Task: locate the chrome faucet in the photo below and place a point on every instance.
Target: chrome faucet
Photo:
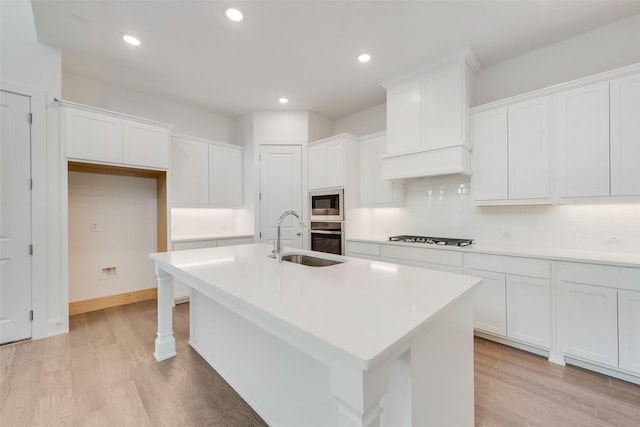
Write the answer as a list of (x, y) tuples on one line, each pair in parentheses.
[(278, 249)]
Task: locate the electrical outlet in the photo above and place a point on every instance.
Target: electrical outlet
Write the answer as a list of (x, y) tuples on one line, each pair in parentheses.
[(93, 226), (506, 235), (613, 240)]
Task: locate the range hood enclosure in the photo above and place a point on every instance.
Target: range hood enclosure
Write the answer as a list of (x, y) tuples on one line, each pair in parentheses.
[(428, 118)]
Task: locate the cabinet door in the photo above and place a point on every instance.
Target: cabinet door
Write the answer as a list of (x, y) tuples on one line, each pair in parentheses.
[(189, 172), (317, 166), (373, 189), (335, 164), (91, 136), (404, 117), (145, 145), (529, 150), (490, 302), (582, 135), (625, 136), (629, 330), (529, 310), (442, 109), (490, 172), (588, 319), (225, 176)]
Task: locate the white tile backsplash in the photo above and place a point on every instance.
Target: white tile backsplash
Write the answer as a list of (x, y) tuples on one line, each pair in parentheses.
[(442, 206)]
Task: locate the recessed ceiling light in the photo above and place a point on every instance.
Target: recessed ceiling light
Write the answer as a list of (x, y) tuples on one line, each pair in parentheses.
[(234, 14), (365, 57), (283, 100), (131, 40)]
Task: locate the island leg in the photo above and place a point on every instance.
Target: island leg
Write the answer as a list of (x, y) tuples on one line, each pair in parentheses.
[(358, 394), (165, 343)]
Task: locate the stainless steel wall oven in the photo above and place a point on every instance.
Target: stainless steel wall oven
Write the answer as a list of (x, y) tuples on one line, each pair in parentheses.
[(327, 236)]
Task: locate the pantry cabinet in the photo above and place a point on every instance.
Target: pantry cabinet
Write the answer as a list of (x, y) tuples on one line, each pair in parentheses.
[(512, 154), (373, 190), (327, 160), (98, 136), (205, 173)]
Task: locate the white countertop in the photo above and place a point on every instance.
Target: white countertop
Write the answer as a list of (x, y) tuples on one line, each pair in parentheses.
[(199, 237), (572, 255), (361, 309)]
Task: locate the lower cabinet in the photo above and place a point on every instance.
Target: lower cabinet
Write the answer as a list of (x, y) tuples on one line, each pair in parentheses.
[(599, 314), (181, 292), (363, 250), (629, 330), (514, 299), (435, 259)]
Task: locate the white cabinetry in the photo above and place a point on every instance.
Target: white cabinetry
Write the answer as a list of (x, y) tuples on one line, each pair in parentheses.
[(436, 259), (512, 154), (625, 135), (364, 250), (327, 160), (97, 136), (582, 137), (514, 299), (629, 330), (375, 191), (427, 115), (205, 173), (599, 314)]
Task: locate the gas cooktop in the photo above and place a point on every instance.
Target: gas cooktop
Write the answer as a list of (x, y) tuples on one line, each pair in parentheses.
[(431, 240)]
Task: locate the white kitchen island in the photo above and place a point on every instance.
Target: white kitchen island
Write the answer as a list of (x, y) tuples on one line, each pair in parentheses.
[(361, 343)]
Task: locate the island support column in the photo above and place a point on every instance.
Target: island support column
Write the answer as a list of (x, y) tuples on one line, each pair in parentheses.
[(358, 394), (165, 343)]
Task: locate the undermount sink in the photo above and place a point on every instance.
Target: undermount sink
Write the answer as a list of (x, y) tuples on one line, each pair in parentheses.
[(308, 260)]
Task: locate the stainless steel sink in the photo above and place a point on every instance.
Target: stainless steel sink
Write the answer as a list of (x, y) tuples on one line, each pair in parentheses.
[(308, 260)]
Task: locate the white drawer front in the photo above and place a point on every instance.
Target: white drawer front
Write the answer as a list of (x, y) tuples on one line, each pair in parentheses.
[(363, 248), (600, 275), (510, 265), (431, 256)]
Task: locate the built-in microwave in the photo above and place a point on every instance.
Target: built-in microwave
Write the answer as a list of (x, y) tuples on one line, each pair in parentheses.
[(326, 205)]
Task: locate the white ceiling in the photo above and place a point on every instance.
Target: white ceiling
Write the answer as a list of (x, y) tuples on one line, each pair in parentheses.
[(302, 49)]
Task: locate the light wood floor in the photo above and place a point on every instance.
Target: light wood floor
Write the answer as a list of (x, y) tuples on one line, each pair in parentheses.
[(103, 374)]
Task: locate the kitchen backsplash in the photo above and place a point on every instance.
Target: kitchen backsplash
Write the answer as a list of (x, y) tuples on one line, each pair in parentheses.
[(198, 222), (442, 206)]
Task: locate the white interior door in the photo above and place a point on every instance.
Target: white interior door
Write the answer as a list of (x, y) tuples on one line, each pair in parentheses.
[(280, 190), (15, 218)]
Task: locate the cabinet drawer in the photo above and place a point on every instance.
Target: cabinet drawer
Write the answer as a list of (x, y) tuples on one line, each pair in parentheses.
[(197, 244), (600, 275), (431, 256), (372, 249), (510, 265)]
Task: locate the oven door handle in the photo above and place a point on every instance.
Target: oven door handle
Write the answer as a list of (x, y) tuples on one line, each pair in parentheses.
[(326, 232)]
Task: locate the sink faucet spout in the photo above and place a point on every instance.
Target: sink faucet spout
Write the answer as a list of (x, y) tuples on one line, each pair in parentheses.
[(279, 239)]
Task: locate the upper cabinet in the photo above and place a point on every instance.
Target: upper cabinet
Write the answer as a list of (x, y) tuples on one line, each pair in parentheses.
[(205, 173), (571, 143), (625, 135), (512, 154), (97, 136), (373, 190), (330, 162), (427, 119)]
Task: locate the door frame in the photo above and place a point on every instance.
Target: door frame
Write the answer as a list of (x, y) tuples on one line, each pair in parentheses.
[(44, 298)]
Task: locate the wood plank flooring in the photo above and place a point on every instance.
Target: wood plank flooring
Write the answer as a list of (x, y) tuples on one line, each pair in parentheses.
[(103, 374)]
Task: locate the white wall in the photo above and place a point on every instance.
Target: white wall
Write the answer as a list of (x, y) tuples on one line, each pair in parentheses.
[(363, 122), (30, 68), (195, 223), (186, 119), (605, 48), (124, 209)]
